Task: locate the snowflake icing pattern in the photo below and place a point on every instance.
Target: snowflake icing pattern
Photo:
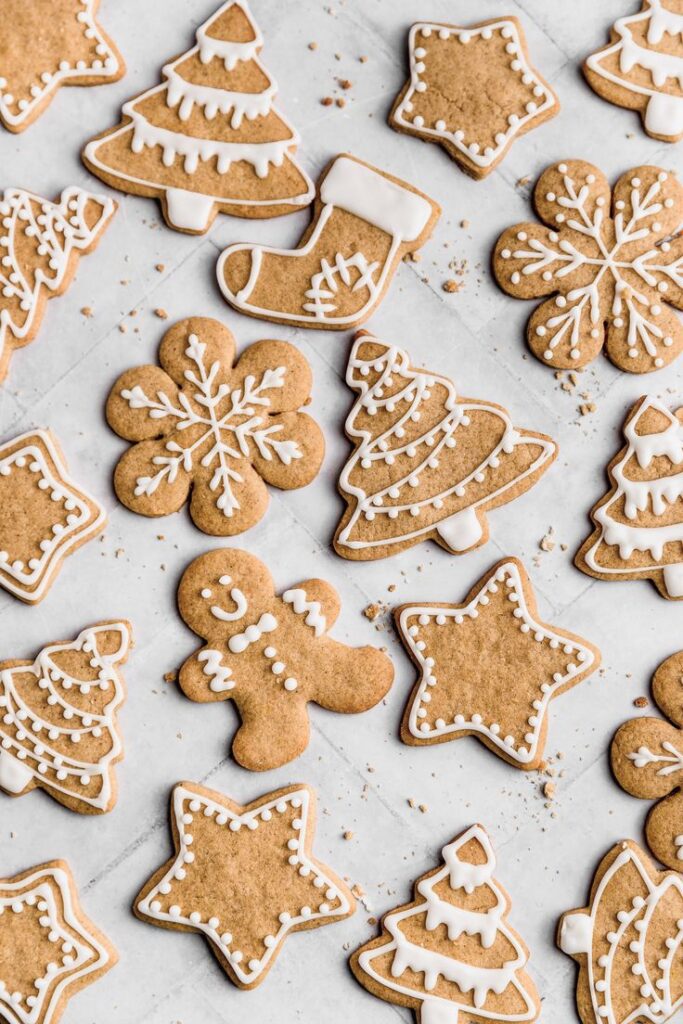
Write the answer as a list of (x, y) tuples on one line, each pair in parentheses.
[(225, 429), (612, 278)]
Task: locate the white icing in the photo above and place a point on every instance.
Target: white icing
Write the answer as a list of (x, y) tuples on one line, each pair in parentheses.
[(671, 759), (186, 95), (235, 422), (576, 933), (220, 674), (673, 580), (190, 211), (239, 600), (332, 901), (267, 623), (470, 978), (540, 97), (228, 50), (30, 752), (104, 65), (664, 115), (366, 193), (311, 609), (31, 581), (77, 952), (521, 748), (463, 528)]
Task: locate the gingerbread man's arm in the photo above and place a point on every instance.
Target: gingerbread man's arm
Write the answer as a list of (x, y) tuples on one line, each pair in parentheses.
[(206, 675)]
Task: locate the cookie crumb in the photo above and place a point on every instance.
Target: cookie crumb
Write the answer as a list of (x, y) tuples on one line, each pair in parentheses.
[(641, 702), (170, 677), (524, 181), (547, 543), (340, 101), (451, 286), (344, 83), (313, 46), (123, 328), (549, 790), (161, 313), (87, 312), (464, 224), (363, 59), (348, 835), (327, 101), (422, 808), (160, 267), (372, 611)]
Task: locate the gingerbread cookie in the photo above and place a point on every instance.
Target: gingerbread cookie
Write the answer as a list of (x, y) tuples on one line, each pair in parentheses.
[(244, 877), (642, 68), (450, 955), (608, 262), (49, 950), (220, 431), (639, 523), (44, 514), (209, 139), (472, 90), (628, 941), (58, 728), (41, 244), (427, 464), (647, 760), (364, 223), (45, 44), (271, 655), (489, 667)]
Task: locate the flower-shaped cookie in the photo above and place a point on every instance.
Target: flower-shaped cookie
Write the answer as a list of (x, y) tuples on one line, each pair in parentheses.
[(223, 431), (608, 262), (647, 760)]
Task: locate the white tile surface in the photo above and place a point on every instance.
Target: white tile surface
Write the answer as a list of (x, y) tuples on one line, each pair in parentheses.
[(546, 858)]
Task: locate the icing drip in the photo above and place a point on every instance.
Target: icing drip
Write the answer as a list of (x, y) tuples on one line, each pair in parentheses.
[(187, 95), (314, 617)]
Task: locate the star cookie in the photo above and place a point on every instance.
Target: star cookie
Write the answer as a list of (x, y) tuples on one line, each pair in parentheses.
[(49, 950), (45, 44), (45, 514), (489, 667), (215, 884), (472, 90)]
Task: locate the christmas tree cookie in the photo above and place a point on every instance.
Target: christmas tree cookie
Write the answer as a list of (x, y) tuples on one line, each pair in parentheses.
[(608, 262), (271, 655), (219, 431), (647, 760), (58, 728), (365, 222), (41, 243), (628, 942), (209, 139), (489, 667), (472, 90), (45, 514), (49, 950), (427, 464), (639, 523), (450, 955), (45, 44), (642, 67), (243, 877)]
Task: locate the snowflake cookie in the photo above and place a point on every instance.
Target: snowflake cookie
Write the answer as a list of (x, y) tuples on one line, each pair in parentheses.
[(45, 514), (450, 955), (58, 728), (46, 44), (271, 655), (647, 760), (223, 431), (243, 877), (489, 667), (49, 950), (472, 90), (628, 942), (608, 262), (639, 523)]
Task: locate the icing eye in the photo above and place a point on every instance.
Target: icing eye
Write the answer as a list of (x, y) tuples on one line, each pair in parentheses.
[(225, 581), (206, 593)]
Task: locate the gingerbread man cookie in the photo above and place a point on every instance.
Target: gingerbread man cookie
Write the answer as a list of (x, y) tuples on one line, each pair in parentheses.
[(271, 655)]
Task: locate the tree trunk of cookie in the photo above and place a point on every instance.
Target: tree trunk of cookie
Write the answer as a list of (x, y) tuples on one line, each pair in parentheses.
[(437, 1011), (673, 579), (188, 211), (664, 115), (15, 776), (462, 531)]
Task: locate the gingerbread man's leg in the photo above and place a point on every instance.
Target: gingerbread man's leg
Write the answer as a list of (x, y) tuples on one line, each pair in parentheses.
[(275, 729)]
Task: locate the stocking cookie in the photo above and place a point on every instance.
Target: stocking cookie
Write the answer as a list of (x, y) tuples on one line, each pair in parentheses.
[(475, 124), (450, 955), (41, 243), (608, 262), (209, 139), (271, 655), (219, 431), (364, 223), (639, 523), (49, 950), (489, 667), (628, 941), (45, 44), (642, 68), (58, 729), (427, 464), (647, 759), (44, 514), (243, 877)]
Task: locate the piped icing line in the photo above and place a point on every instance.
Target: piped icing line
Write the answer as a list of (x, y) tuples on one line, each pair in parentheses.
[(663, 20), (219, 673), (187, 802), (521, 749), (229, 51), (79, 954), (541, 97), (311, 609)]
